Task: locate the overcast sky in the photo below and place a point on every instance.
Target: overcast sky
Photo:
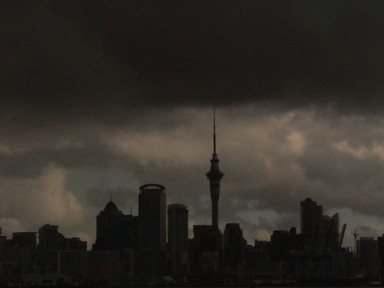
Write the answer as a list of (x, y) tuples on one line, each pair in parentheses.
[(100, 97)]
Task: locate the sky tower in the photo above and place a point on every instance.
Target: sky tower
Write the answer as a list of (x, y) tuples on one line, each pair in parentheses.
[(214, 175)]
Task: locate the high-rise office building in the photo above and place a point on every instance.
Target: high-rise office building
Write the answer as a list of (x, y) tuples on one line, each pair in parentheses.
[(233, 245), (152, 217), (368, 255), (150, 259), (106, 225), (207, 249), (311, 216), (115, 231), (214, 175), (318, 230), (328, 232), (178, 238)]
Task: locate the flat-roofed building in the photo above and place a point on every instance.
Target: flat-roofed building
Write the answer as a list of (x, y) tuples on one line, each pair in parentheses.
[(178, 238)]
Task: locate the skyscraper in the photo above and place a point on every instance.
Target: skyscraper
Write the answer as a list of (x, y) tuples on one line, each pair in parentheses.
[(207, 249), (214, 175), (311, 215), (368, 255), (151, 258), (115, 231), (178, 238), (106, 227), (318, 230), (152, 217), (233, 245)]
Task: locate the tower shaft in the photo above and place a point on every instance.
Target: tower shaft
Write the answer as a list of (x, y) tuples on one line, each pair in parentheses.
[(215, 194), (214, 175)]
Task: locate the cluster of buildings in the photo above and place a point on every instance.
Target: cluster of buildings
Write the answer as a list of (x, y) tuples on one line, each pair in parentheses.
[(154, 248)]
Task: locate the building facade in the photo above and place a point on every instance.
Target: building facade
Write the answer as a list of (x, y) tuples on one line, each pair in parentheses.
[(311, 215), (152, 227), (233, 246), (178, 238), (115, 231)]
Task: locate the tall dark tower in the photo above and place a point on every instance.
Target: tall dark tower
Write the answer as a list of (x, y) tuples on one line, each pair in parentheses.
[(152, 256), (152, 217), (214, 175)]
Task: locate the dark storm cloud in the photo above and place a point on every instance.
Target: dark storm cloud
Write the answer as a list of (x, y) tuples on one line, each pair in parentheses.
[(51, 71), (105, 59), (235, 50)]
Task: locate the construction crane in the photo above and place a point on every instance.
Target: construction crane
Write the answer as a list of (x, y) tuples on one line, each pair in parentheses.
[(341, 238)]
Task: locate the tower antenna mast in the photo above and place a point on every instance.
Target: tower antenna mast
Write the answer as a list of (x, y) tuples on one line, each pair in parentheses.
[(214, 130)]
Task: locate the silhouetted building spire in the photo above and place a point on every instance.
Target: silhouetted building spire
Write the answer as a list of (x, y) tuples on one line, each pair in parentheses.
[(214, 175)]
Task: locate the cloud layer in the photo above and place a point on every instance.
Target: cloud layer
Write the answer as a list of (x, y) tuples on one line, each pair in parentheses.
[(271, 161), (70, 61)]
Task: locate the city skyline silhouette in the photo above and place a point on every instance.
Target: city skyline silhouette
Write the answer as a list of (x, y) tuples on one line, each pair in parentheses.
[(99, 98)]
